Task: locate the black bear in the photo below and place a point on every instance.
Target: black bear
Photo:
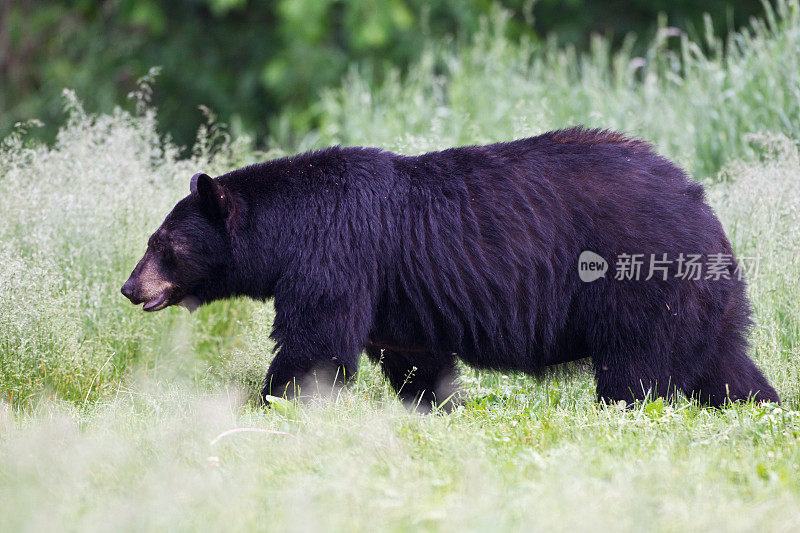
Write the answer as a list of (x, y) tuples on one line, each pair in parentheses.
[(497, 255)]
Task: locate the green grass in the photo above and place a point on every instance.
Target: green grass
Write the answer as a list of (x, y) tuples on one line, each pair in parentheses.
[(689, 98), (107, 414)]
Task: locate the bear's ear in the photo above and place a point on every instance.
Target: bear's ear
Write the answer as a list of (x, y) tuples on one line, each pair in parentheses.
[(213, 197)]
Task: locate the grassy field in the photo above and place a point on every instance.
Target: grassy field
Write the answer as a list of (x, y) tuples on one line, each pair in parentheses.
[(111, 418)]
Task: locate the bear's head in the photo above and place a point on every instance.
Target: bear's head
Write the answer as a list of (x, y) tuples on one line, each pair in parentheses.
[(187, 261)]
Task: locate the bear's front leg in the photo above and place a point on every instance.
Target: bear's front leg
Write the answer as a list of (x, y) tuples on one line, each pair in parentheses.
[(318, 345), (293, 374)]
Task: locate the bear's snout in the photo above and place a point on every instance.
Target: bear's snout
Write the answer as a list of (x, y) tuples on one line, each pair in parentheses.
[(129, 292)]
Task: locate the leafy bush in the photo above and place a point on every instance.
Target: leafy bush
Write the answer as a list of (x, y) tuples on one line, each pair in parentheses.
[(250, 61)]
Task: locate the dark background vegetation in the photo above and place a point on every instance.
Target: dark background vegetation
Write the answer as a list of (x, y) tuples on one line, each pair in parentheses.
[(249, 61)]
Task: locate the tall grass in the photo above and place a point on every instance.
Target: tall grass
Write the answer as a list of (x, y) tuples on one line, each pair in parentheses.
[(77, 216), (695, 100), (107, 414), (759, 204)]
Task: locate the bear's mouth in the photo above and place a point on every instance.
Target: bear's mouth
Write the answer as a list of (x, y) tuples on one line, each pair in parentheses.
[(158, 303)]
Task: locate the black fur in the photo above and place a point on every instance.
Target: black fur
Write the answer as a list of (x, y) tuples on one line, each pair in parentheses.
[(472, 253)]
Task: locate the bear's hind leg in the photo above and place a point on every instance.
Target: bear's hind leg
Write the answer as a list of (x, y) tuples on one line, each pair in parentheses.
[(733, 378), (631, 376), (421, 379), (725, 372), (631, 362)]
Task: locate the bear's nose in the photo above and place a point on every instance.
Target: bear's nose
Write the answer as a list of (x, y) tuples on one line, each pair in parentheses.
[(127, 290)]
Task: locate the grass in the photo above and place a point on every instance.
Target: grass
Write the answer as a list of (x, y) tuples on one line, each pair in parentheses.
[(693, 101), (519, 461), (107, 414)]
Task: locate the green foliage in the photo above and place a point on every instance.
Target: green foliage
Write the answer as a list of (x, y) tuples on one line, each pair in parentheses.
[(697, 106), (251, 61), (575, 20)]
